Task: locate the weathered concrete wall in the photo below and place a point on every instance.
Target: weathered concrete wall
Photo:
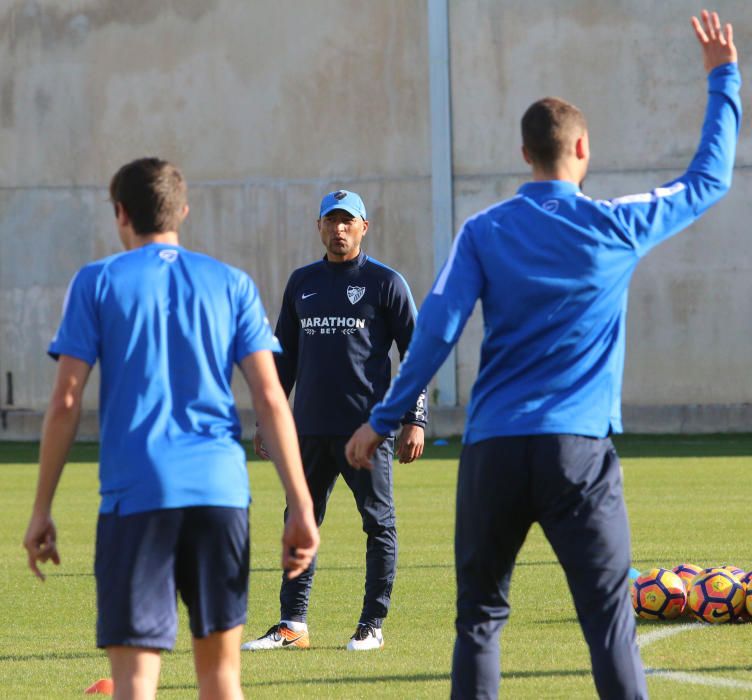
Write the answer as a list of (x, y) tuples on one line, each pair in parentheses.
[(635, 70), (268, 104)]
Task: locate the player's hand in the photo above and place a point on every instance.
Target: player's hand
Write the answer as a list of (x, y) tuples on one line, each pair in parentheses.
[(300, 540), (361, 447), (41, 543), (410, 444), (258, 446), (717, 42)]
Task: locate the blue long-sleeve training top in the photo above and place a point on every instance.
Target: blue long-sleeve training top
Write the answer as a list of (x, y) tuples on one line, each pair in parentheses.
[(551, 268), (336, 327)]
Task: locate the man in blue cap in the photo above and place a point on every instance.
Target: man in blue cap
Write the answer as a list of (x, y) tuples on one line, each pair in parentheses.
[(339, 318)]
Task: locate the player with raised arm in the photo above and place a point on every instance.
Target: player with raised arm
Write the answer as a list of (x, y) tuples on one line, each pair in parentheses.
[(339, 319), (166, 325), (552, 268)]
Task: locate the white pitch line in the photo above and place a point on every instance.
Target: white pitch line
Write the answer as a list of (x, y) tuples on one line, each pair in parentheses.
[(655, 635), (697, 679), (647, 638)]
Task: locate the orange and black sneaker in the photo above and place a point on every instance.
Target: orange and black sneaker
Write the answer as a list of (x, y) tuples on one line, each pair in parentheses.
[(279, 637)]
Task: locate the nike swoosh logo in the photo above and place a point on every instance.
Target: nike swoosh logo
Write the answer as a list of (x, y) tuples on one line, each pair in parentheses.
[(305, 296), (287, 642)]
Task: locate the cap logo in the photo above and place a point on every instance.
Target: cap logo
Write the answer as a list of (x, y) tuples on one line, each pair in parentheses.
[(355, 294), (340, 195)]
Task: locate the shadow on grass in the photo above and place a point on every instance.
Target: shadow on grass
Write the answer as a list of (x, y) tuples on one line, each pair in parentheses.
[(72, 655), (354, 567), (698, 669), (408, 678), (715, 445), (359, 567), (55, 656), (562, 621), (411, 678), (569, 673), (28, 453)]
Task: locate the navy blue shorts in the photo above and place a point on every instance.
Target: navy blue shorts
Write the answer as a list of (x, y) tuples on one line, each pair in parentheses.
[(144, 560)]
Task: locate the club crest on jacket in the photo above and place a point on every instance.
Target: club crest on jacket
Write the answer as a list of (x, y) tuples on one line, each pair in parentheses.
[(355, 294)]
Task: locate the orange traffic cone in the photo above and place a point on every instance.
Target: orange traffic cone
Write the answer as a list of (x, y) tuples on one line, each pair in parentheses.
[(104, 686)]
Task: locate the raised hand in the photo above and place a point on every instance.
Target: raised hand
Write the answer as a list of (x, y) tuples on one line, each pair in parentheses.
[(717, 42)]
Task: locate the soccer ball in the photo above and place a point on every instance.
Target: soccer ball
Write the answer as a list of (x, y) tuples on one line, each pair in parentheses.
[(658, 594), (747, 583), (716, 596), (686, 572), (735, 570), (704, 572)]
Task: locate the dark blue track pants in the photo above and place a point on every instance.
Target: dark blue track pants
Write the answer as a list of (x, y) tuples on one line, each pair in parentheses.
[(572, 486), (323, 461)]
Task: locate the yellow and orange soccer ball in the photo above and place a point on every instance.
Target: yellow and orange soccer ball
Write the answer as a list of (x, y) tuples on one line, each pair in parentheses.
[(658, 594), (716, 595)]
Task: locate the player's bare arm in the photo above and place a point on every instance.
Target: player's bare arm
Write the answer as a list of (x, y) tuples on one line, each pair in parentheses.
[(300, 539), (410, 443), (717, 41), (58, 433)]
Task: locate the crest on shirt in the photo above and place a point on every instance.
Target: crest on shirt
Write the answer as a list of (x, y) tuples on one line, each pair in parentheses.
[(551, 206), (355, 294), (169, 256)]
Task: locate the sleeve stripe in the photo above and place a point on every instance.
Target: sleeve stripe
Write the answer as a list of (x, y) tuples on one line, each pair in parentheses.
[(441, 280), (647, 197)]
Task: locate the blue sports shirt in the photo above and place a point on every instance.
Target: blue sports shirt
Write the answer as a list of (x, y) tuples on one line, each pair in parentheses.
[(166, 325), (551, 268)]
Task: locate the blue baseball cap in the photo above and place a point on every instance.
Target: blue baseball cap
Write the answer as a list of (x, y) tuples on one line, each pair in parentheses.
[(342, 199)]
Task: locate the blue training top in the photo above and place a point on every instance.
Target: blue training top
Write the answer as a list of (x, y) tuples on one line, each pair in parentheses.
[(166, 324), (551, 268), (337, 324)]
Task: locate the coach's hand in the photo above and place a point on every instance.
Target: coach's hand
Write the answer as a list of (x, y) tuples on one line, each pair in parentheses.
[(717, 42), (300, 540), (410, 444), (41, 543), (361, 447)]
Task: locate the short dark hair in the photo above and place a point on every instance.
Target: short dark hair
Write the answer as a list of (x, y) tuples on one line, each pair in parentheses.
[(153, 193), (549, 126)]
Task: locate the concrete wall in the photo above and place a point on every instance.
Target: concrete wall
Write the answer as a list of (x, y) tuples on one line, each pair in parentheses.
[(268, 104)]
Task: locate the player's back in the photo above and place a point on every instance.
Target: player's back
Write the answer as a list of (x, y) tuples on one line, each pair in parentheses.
[(166, 327), (556, 268)]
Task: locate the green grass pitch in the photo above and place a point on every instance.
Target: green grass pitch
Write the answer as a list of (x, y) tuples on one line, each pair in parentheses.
[(688, 500)]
